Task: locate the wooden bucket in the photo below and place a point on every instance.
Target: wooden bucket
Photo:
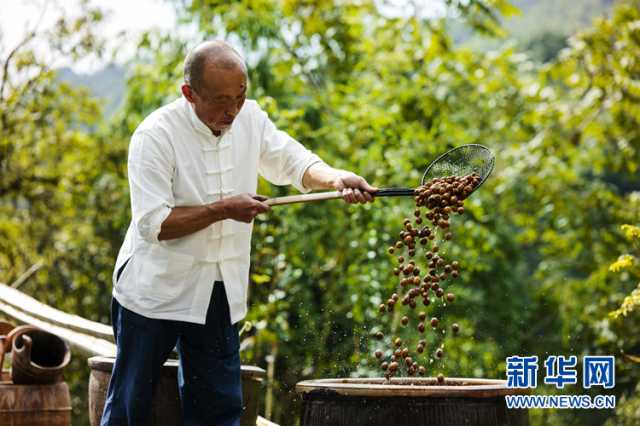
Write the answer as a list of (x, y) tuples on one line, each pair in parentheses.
[(166, 410), (34, 405), (37, 356), (408, 402)]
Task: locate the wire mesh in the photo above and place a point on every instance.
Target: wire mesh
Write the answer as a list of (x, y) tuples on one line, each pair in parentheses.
[(461, 161)]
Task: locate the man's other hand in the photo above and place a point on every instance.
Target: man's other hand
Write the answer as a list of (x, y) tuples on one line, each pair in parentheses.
[(244, 207)]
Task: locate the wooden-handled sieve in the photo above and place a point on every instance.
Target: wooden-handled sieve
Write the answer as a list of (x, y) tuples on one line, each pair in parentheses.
[(460, 161)]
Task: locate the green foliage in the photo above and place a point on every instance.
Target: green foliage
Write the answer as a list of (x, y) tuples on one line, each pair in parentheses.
[(381, 96), (628, 411), (628, 263), (50, 174)]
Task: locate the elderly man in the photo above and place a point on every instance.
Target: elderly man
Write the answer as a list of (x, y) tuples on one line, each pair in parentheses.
[(182, 272)]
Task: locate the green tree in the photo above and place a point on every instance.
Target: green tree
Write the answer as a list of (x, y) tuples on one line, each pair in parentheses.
[(49, 162), (628, 408)]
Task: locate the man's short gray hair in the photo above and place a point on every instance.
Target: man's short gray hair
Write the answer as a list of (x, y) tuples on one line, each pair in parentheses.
[(218, 53)]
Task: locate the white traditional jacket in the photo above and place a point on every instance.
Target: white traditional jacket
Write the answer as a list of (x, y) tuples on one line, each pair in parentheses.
[(175, 160)]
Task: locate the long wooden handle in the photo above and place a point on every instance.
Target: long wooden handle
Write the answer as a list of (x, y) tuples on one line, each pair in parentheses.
[(304, 198), (332, 195)]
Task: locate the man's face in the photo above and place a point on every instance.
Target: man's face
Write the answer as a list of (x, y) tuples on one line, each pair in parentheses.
[(219, 100)]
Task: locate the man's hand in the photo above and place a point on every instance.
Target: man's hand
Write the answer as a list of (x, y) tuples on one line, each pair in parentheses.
[(355, 189), (244, 207)]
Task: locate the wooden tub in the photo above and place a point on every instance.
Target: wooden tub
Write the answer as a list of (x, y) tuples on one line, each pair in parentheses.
[(408, 402)]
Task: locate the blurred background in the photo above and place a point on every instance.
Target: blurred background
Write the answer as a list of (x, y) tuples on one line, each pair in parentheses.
[(548, 247)]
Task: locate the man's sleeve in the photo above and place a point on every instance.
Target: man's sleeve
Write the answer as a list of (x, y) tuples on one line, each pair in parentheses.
[(151, 164), (283, 160)]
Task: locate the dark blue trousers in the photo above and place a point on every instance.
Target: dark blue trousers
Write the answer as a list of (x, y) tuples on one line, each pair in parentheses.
[(208, 373)]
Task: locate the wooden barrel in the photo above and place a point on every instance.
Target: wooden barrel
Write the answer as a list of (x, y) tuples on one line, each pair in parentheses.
[(408, 402), (166, 410), (34, 405)]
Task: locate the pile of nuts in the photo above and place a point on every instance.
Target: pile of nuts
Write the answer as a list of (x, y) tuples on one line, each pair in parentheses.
[(442, 197)]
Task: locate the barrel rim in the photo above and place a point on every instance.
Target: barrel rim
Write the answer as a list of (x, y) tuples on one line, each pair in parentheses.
[(105, 363), (454, 387), (63, 409)]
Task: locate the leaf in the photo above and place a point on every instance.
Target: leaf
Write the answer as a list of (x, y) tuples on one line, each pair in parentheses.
[(631, 232), (624, 261), (629, 304), (260, 278)]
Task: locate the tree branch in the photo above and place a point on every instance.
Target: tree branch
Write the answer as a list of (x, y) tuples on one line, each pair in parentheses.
[(25, 276), (7, 61)]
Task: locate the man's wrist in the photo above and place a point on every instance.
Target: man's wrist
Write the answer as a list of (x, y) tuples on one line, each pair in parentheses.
[(336, 177), (318, 176), (217, 210)]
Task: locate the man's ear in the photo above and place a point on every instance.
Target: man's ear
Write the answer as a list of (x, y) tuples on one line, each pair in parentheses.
[(187, 92)]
